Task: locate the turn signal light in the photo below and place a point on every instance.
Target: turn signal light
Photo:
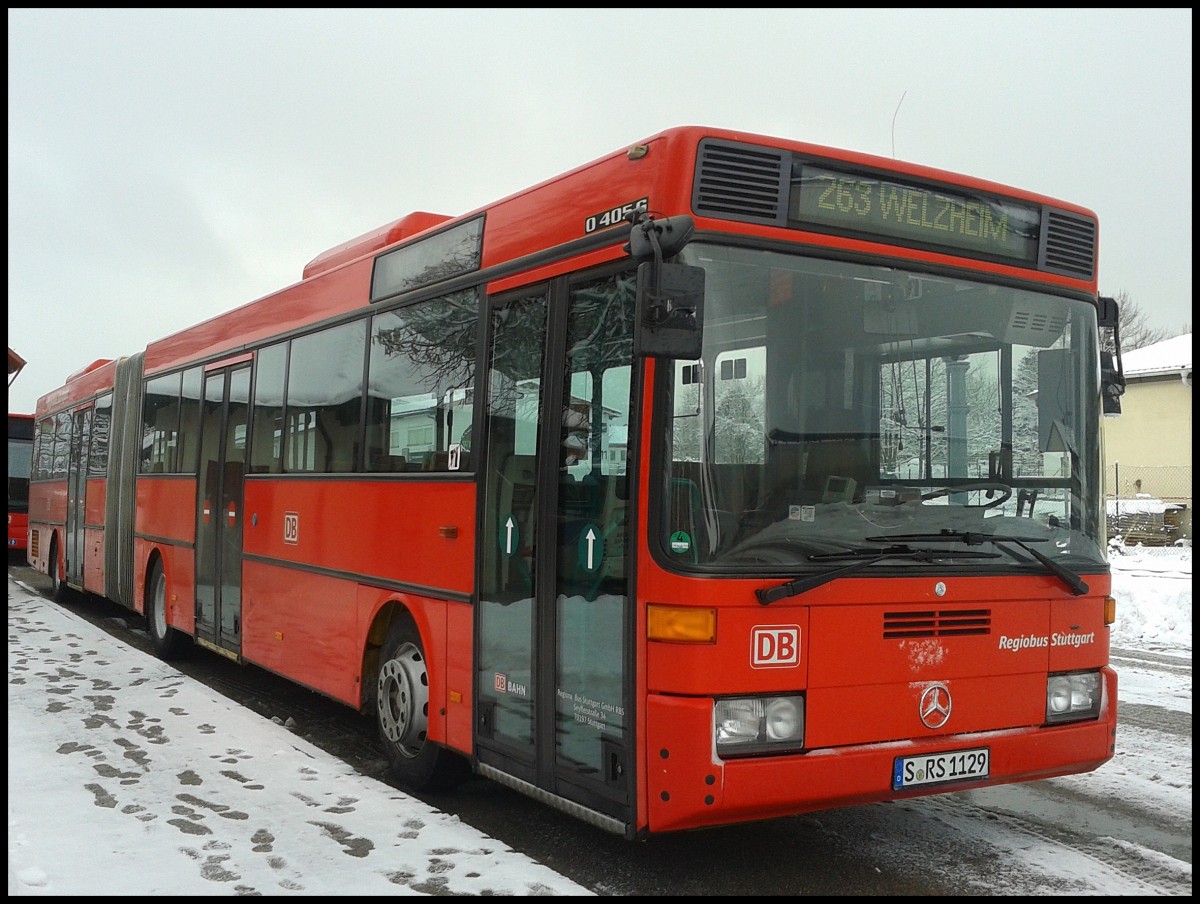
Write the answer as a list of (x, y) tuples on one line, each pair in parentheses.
[(681, 624)]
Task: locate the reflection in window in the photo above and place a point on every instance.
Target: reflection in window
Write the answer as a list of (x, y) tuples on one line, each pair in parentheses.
[(189, 420), (98, 453), (43, 448), (421, 385), (61, 449), (324, 396), (421, 263), (267, 450), (160, 425)]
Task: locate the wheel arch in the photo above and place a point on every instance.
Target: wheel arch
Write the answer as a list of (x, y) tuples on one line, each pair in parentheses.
[(154, 561), (392, 613), (56, 565), (54, 554)]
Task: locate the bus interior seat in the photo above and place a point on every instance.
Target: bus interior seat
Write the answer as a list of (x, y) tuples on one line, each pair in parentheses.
[(383, 462), (833, 447), (843, 456)]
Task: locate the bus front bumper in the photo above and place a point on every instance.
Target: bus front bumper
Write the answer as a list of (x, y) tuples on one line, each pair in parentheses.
[(688, 786)]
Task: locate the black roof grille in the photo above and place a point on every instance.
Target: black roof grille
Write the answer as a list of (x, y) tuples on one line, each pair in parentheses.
[(1068, 245), (937, 623), (742, 182)]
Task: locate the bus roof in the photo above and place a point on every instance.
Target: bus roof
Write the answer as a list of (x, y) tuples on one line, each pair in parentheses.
[(658, 170)]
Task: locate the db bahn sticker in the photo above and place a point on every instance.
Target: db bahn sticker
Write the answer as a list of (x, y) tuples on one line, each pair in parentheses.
[(774, 646), (505, 685), (291, 527)]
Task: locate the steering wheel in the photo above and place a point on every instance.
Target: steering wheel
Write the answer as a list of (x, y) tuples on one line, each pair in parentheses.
[(988, 486)]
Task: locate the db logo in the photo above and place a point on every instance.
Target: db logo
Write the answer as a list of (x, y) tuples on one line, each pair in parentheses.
[(775, 646), (500, 682), (291, 527)]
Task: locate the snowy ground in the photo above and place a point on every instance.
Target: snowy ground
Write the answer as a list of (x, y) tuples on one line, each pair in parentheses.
[(127, 777)]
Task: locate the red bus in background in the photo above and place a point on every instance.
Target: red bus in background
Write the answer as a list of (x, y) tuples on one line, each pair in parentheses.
[(20, 456), (721, 478)]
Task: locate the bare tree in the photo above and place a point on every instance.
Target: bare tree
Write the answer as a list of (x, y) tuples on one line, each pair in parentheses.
[(1136, 331)]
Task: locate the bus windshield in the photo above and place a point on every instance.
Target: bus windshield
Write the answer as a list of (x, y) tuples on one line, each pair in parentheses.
[(839, 407), (20, 459)]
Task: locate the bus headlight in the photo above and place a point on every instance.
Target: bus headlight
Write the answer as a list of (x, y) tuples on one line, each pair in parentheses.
[(1073, 695), (745, 725)]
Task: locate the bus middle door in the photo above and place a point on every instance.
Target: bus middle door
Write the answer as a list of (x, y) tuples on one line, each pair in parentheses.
[(219, 516), (77, 468)]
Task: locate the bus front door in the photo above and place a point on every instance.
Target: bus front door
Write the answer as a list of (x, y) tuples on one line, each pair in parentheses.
[(554, 659), (219, 510)]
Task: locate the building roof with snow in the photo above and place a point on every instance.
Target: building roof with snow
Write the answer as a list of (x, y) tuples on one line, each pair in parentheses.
[(1171, 356)]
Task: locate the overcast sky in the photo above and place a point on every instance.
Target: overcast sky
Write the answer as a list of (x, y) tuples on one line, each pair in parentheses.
[(165, 166)]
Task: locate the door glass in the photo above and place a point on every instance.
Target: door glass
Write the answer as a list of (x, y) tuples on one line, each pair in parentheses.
[(508, 570), (219, 532), (592, 594), (232, 472), (77, 494), (210, 506)]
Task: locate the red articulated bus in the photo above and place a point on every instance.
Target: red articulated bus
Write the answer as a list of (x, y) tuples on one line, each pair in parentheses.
[(724, 477), (20, 457)]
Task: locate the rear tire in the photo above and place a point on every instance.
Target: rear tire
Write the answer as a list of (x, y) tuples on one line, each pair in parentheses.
[(402, 713), (168, 643)]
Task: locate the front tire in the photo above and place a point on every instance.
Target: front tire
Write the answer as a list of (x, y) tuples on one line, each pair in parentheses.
[(402, 713), (168, 643)]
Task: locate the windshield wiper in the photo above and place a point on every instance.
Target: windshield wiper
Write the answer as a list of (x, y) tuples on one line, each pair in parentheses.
[(1074, 583), (859, 560)]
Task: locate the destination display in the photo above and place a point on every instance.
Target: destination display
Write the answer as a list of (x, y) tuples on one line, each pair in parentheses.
[(912, 213)]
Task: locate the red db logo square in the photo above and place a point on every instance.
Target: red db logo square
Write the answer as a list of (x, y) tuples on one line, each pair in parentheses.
[(291, 527), (775, 646)]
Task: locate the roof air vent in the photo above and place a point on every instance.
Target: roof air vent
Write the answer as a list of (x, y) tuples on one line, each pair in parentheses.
[(742, 182), (1068, 245)]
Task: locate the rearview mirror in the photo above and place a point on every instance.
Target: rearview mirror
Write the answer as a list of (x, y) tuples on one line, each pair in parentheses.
[(1112, 384), (670, 311), (1112, 373)]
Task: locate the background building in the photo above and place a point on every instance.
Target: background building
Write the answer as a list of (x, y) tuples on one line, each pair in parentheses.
[(1148, 448)]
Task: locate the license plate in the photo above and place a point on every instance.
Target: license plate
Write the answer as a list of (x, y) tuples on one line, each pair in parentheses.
[(938, 768)]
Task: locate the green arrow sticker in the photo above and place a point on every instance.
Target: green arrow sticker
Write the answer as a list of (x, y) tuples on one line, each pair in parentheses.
[(591, 548)]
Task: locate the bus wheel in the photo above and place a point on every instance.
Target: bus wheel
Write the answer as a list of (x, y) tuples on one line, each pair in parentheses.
[(402, 710), (167, 642)]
